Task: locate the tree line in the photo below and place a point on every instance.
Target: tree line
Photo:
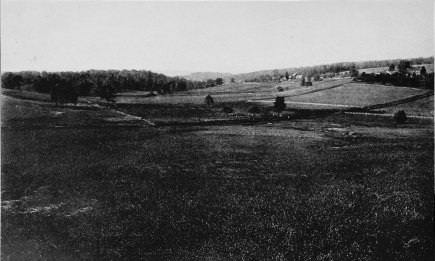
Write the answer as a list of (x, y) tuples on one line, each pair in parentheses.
[(96, 82), (329, 70), (403, 76)]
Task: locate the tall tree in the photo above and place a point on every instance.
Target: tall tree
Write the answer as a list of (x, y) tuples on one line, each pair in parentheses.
[(286, 75), (303, 80), (353, 72), (279, 104), (219, 81), (423, 71), (403, 66), (209, 100)]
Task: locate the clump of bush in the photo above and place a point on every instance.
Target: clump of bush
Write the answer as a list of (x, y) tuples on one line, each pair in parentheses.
[(280, 89), (209, 100), (400, 117), (254, 109), (227, 109), (151, 94)]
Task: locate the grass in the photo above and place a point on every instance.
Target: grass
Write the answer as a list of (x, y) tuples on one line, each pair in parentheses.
[(356, 94), (234, 88), (295, 190), (231, 93), (422, 107), (34, 96)]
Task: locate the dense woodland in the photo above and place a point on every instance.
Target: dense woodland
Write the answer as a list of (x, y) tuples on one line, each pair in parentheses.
[(94, 82), (105, 83)]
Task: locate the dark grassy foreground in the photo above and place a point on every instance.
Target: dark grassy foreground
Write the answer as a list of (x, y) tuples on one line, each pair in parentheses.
[(196, 193)]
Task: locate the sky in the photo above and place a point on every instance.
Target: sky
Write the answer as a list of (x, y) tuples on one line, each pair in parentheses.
[(233, 37)]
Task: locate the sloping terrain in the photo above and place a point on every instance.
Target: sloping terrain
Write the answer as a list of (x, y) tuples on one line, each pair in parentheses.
[(104, 189), (359, 95)]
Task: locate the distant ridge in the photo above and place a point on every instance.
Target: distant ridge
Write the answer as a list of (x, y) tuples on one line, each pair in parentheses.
[(172, 73), (309, 70), (204, 76)]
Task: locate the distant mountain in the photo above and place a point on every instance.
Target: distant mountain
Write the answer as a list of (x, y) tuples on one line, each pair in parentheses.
[(204, 76), (172, 73)]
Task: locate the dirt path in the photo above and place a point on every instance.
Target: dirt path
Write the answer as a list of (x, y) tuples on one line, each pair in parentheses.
[(126, 115)]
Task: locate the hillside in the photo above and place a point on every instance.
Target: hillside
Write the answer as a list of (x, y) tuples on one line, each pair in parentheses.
[(272, 74), (335, 68)]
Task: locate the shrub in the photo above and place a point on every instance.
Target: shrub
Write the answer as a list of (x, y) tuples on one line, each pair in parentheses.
[(254, 109), (309, 84), (303, 81), (280, 89), (227, 109), (400, 117), (209, 100)]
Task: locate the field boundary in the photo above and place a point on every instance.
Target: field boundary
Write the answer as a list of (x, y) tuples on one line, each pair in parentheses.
[(134, 117), (393, 103), (309, 92)]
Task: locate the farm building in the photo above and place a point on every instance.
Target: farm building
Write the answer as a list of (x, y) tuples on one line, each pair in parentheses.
[(344, 73)]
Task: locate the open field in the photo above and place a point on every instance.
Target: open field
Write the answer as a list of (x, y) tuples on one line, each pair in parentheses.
[(422, 107), (234, 88), (89, 183), (359, 95), (230, 93)]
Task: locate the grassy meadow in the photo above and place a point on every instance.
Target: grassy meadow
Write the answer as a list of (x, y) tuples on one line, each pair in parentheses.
[(235, 92), (359, 95), (422, 107), (90, 183)]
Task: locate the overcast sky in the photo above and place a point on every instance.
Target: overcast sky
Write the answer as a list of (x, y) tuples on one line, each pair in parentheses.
[(209, 36)]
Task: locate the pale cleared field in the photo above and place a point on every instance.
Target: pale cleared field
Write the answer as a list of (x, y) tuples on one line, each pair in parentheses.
[(230, 93), (422, 107), (233, 88), (373, 70), (357, 94), (190, 99), (317, 86)]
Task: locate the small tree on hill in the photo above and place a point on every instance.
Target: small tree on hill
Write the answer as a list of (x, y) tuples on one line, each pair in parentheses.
[(404, 66), (279, 104), (232, 80), (392, 68), (303, 80), (423, 71), (353, 72), (308, 83), (286, 75), (209, 100), (219, 81), (400, 117)]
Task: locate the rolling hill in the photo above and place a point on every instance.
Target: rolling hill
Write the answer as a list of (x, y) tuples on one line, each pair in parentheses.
[(204, 76)]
